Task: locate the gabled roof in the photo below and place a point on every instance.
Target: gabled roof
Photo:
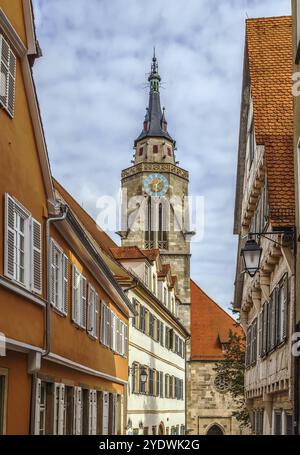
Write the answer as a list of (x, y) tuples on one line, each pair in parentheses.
[(268, 74), (210, 326)]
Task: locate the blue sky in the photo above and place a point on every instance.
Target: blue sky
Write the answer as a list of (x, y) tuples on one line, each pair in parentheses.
[(91, 88)]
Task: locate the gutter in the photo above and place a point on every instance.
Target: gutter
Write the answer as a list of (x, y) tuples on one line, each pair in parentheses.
[(50, 220)]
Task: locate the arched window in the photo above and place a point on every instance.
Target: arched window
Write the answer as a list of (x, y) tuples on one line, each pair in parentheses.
[(149, 233), (162, 228)]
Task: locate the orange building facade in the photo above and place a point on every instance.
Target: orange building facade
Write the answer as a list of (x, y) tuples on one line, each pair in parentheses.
[(63, 316)]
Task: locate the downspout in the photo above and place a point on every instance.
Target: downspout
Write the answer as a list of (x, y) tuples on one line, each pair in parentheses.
[(50, 220)]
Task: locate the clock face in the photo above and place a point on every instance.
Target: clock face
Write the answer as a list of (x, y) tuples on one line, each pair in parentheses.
[(156, 185)]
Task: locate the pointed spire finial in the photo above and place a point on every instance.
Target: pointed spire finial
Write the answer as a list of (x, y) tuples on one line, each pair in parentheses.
[(154, 77)]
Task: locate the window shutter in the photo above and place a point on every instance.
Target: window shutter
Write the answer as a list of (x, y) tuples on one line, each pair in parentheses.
[(94, 412), (277, 315), (52, 272), (11, 83), (83, 287), (65, 270), (90, 413), (36, 233), (90, 311), (102, 323), (96, 326), (38, 387), (4, 61), (285, 309), (61, 408), (10, 236), (105, 413), (265, 326), (77, 410), (260, 333), (75, 279)]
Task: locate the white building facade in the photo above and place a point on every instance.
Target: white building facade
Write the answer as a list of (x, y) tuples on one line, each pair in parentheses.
[(156, 347)]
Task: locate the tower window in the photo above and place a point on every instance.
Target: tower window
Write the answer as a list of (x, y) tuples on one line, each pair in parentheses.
[(169, 151), (141, 151), (155, 148)]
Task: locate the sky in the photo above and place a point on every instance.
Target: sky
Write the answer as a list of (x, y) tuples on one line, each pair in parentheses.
[(91, 84)]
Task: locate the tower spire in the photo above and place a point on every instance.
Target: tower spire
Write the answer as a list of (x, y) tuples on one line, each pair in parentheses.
[(155, 124)]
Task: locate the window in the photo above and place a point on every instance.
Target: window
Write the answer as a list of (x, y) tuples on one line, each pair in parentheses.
[(151, 325), (142, 319), (105, 325), (277, 426), (147, 275), (161, 384), (273, 319), (93, 312), (124, 340), (155, 148), (282, 303), (161, 333), (7, 76), (154, 284), (141, 151), (154, 430), (79, 298), (150, 379), (251, 344), (58, 278), (146, 431), (288, 423), (167, 378), (22, 246), (3, 386), (258, 421), (136, 318)]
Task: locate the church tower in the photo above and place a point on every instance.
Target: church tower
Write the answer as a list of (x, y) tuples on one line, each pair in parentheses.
[(154, 196)]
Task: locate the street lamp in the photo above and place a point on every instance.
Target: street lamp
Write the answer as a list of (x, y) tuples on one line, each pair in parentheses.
[(143, 375), (251, 254)]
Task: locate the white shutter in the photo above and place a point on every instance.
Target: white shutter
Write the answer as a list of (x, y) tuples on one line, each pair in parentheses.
[(36, 255), (11, 83), (83, 301), (4, 62), (90, 413), (102, 323), (65, 269), (75, 295), (91, 310), (114, 416), (105, 412), (77, 410), (61, 409), (38, 387), (10, 237), (113, 331), (52, 272), (7, 76), (96, 317)]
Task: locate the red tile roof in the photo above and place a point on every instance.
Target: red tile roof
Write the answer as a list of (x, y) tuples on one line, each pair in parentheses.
[(128, 252), (210, 326), (103, 240), (270, 52)]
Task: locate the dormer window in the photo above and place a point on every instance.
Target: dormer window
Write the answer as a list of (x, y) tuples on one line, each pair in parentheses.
[(7, 76)]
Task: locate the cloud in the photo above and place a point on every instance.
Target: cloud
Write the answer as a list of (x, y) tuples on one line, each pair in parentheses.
[(91, 89)]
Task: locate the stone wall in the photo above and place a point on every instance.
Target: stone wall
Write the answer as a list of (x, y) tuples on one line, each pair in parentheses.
[(205, 405)]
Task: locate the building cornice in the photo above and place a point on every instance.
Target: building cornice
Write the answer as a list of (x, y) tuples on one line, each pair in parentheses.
[(154, 167)]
